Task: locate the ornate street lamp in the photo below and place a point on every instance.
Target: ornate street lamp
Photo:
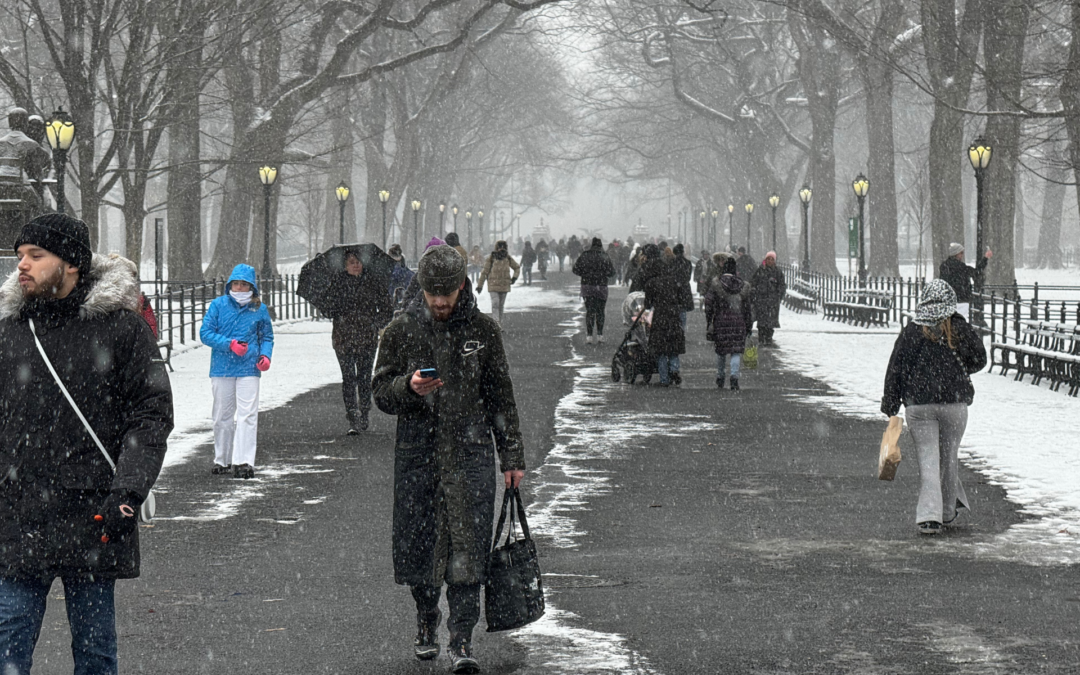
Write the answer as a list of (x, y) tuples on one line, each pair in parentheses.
[(979, 155), (61, 132), (730, 229), (805, 194), (416, 227), (267, 175), (749, 212), (774, 201), (342, 192), (384, 196), (442, 216), (454, 210), (468, 228), (480, 215), (861, 186), (703, 215), (715, 213)]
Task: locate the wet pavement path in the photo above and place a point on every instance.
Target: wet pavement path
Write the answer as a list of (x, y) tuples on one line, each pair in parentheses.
[(686, 530)]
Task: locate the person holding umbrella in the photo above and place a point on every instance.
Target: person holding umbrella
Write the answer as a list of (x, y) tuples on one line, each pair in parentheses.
[(238, 331), (360, 308)]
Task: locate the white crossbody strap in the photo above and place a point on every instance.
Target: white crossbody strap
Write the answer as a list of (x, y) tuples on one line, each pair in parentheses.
[(70, 400)]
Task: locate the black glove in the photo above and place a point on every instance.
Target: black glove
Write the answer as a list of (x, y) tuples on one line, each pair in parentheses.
[(114, 524)]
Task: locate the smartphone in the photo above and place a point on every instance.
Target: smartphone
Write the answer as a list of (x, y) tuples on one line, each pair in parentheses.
[(429, 372)]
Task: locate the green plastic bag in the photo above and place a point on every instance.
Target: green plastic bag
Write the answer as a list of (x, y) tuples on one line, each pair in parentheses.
[(749, 357)]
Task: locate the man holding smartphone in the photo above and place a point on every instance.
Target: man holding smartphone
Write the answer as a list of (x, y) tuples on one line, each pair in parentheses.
[(451, 424)]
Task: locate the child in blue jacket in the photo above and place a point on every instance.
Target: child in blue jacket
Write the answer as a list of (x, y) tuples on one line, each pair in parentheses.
[(237, 328)]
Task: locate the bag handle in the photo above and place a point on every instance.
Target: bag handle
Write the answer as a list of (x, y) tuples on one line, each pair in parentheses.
[(59, 383), (508, 495)]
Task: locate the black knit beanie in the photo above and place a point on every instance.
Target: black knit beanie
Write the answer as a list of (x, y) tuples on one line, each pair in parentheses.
[(60, 234), (441, 270)]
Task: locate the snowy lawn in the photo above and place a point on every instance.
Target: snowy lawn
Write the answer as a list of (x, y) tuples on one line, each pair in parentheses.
[(1020, 436)]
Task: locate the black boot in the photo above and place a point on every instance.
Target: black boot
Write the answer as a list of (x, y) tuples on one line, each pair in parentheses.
[(426, 645), (734, 384), (354, 421), (362, 421), (461, 658)]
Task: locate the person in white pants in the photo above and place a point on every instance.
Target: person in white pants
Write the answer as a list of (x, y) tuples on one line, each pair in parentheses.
[(237, 328)]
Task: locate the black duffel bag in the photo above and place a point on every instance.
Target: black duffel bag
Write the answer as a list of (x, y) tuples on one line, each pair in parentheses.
[(514, 593)]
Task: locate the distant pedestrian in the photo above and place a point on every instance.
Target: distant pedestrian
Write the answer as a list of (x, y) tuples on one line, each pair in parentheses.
[(929, 374), (684, 272), (400, 276), (452, 239), (595, 269), (648, 265), (476, 263), (238, 331), (769, 288), (702, 271), (146, 310), (727, 317), (666, 337), (560, 252), (543, 257), (747, 266), (444, 471), (960, 276), (65, 511), (497, 273), (573, 249), (360, 309), (528, 257)]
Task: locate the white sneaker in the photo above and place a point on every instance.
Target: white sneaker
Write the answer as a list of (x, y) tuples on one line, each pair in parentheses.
[(588, 339), (600, 339)]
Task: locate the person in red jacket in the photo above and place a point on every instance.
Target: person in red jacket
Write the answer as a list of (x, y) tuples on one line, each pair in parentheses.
[(147, 312)]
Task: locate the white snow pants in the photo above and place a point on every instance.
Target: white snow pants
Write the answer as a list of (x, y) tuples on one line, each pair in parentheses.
[(236, 419), (938, 429)]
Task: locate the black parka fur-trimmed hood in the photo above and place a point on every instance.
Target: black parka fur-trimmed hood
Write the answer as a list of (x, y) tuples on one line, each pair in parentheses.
[(113, 285)]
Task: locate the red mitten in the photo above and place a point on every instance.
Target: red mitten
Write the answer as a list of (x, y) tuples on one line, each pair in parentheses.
[(238, 348), (263, 364)]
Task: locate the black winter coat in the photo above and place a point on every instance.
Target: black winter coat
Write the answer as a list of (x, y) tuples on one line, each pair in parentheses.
[(769, 288), (684, 272), (361, 308), (662, 295), (55, 478), (745, 267), (444, 459), (727, 313), (922, 371), (594, 267), (959, 275)]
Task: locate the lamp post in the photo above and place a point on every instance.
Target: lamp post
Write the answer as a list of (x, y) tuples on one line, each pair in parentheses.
[(861, 186), (480, 216), (384, 196), (730, 229), (703, 215), (712, 239), (267, 174), (979, 155), (749, 212), (442, 216), (454, 210), (61, 132), (804, 196), (774, 201), (342, 192), (416, 228), (468, 229)]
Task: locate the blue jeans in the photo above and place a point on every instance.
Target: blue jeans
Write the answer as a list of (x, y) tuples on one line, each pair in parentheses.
[(91, 615), (682, 322), (736, 362), (667, 365)]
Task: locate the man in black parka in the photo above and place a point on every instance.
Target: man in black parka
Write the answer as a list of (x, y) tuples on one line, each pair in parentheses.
[(449, 428), (64, 512)]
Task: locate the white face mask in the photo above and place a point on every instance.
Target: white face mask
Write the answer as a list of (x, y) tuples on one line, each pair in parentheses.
[(243, 298)]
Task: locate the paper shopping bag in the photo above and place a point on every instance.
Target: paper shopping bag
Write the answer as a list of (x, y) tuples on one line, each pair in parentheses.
[(889, 457)]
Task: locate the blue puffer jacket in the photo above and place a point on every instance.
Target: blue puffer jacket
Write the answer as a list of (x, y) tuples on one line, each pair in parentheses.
[(226, 320)]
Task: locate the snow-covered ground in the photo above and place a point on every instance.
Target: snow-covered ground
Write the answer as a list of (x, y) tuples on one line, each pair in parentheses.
[(1019, 436)]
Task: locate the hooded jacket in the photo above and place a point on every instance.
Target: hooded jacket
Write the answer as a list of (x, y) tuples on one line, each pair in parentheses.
[(496, 272), (594, 267), (727, 312), (959, 275), (444, 457), (227, 320), (55, 477)]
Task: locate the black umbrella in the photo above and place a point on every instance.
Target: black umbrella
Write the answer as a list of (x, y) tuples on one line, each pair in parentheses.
[(317, 274)]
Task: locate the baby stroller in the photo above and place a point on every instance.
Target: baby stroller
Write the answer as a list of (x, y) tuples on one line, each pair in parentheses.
[(632, 358)]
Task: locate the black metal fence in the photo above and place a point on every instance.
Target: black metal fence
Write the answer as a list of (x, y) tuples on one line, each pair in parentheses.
[(180, 306)]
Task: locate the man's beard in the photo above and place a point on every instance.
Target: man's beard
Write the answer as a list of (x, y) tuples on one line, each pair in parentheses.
[(48, 289)]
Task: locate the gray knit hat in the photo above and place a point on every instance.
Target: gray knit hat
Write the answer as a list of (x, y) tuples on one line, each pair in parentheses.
[(441, 270), (955, 249), (938, 303)]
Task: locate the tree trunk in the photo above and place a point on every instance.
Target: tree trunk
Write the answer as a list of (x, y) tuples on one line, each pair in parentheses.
[(341, 163), (1049, 248), (1019, 223)]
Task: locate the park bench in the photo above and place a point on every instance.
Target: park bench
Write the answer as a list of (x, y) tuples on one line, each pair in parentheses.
[(801, 297), (166, 345), (1045, 350), (861, 307)]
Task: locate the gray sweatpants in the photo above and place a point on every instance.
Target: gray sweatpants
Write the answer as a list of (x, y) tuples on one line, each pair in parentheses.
[(498, 302), (937, 429)]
